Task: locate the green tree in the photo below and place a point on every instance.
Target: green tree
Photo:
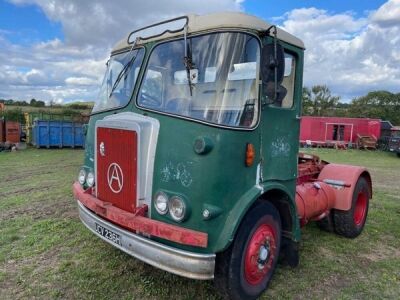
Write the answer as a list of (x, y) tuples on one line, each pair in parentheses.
[(378, 104), (40, 103), (318, 101), (15, 114)]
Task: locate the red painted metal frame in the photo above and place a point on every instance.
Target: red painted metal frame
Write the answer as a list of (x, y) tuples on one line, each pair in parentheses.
[(309, 166), (137, 222)]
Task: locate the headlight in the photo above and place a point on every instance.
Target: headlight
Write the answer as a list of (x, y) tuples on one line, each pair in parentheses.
[(177, 208), (82, 176), (90, 179), (161, 203)]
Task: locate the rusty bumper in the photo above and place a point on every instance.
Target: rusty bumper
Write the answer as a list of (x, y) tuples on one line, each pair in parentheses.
[(183, 263), (137, 223)]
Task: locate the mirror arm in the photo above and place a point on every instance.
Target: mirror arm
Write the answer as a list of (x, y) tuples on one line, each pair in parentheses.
[(275, 37)]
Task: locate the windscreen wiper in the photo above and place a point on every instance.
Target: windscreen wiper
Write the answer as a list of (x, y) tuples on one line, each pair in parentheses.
[(122, 73), (189, 65), (187, 61)]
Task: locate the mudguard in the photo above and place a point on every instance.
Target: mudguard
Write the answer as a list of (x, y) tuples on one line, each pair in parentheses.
[(244, 204), (343, 179)]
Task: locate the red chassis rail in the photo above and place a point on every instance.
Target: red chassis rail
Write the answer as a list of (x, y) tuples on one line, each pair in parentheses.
[(138, 223)]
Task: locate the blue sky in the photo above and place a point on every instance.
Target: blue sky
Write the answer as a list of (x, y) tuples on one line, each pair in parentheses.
[(28, 23), (56, 50), (268, 9)]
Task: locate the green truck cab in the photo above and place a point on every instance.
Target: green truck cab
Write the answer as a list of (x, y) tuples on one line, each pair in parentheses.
[(191, 160)]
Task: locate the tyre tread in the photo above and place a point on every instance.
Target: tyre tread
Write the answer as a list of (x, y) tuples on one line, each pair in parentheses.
[(343, 220)]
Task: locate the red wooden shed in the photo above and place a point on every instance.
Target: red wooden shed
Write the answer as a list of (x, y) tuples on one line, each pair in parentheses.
[(327, 130)]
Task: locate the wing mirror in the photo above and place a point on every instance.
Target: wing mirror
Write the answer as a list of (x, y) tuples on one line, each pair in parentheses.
[(272, 71)]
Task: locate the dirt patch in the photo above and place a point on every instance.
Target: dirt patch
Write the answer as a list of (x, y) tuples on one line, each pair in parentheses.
[(56, 208), (27, 190), (326, 252), (33, 270), (10, 177), (381, 252)]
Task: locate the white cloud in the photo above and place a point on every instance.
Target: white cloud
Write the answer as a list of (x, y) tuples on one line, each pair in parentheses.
[(71, 70), (80, 81), (101, 22), (388, 14), (352, 55)]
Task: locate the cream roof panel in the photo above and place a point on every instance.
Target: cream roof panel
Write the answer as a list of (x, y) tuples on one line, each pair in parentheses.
[(198, 23)]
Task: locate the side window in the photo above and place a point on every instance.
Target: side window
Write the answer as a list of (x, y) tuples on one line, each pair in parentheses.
[(152, 89), (288, 80)]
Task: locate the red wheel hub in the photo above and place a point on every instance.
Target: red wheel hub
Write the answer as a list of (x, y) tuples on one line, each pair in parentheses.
[(360, 209), (260, 254)]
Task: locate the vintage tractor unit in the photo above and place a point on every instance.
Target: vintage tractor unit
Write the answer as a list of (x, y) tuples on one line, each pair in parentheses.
[(191, 158), (394, 140)]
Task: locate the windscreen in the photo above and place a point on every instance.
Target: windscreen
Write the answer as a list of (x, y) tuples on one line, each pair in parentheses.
[(211, 78), (119, 80)]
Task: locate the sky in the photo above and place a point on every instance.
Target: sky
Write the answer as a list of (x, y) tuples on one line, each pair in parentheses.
[(56, 50)]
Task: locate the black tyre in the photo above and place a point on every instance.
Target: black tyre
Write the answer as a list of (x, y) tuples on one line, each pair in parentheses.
[(398, 154), (245, 269), (351, 223), (326, 223)]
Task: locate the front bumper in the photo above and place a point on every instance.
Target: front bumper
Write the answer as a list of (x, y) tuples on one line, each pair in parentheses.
[(183, 263)]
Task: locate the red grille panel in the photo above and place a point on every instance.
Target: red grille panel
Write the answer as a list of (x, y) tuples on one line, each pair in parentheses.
[(117, 167)]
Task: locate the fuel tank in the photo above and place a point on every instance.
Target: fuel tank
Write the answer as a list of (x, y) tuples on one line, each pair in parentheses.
[(314, 200)]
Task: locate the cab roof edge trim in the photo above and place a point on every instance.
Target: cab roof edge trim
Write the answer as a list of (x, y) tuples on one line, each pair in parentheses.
[(198, 23)]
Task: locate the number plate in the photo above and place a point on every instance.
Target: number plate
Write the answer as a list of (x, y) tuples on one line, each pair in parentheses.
[(108, 234)]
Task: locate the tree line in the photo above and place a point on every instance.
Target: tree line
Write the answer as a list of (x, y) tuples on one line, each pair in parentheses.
[(39, 103), (33, 102), (317, 101), (384, 105)]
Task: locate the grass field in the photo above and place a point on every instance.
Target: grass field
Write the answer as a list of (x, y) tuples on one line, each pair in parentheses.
[(45, 252)]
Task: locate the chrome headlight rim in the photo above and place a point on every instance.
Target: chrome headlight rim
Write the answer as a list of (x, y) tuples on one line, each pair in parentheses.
[(90, 179), (82, 176), (171, 208), (156, 198)]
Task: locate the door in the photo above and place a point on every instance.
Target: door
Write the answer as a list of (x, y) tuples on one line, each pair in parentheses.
[(281, 125)]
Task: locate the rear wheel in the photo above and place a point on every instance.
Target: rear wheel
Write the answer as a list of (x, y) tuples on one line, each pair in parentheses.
[(351, 223), (326, 223), (245, 269)]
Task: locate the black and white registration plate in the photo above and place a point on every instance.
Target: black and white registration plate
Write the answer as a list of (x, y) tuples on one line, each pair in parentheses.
[(108, 234)]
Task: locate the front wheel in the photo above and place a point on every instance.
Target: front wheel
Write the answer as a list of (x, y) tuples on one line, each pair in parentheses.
[(245, 269)]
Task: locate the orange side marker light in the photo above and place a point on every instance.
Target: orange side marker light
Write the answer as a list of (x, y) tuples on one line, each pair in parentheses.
[(250, 154)]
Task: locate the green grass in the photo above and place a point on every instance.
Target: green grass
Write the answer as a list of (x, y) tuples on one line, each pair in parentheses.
[(45, 252)]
